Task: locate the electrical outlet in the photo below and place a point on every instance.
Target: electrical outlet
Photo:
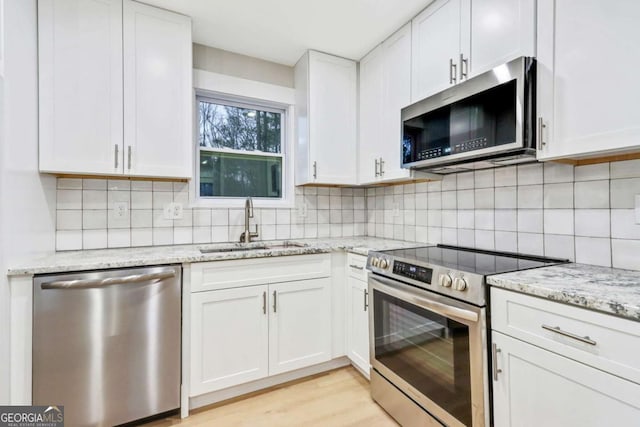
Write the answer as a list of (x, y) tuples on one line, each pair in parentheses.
[(177, 210), (637, 208), (120, 209), (302, 210), (167, 211)]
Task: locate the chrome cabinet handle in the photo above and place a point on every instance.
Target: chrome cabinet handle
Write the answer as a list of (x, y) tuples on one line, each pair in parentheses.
[(464, 67), (541, 128), (264, 302), (129, 157), (366, 299), (274, 301), (357, 267), (453, 78), (377, 165), (381, 166), (110, 281), (115, 156), (494, 361), (557, 330), (315, 170)]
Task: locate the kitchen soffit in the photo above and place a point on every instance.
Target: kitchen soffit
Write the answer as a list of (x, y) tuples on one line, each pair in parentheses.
[(281, 30)]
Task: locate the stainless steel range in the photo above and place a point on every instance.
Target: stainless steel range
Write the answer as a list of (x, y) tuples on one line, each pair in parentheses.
[(428, 331)]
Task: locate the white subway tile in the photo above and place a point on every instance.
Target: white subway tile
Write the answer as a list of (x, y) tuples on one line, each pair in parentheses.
[(448, 182), (94, 220), (530, 196), (283, 231), (114, 221), (398, 232), (422, 234), (485, 219), (506, 198), (592, 172), (409, 188), (625, 169), (530, 174), (200, 234), (141, 186), (94, 184), (559, 246), (324, 230), (159, 220), (625, 254), (181, 187), (164, 236), (203, 217), (484, 198), (118, 238), (141, 218), (506, 220), (186, 220), (161, 199), (68, 240), (434, 218), (530, 221), (422, 201), (219, 233), (559, 221), (449, 200), (94, 239), (450, 218), (485, 239), (422, 187), (182, 235), (409, 217), (593, 222), (623, 225), (593, 250), (623, 192), (465, 180), (557, 172), (531, 243), (506, 176), (118, 197), (283, 217), (409, 233), (466, 219), (119, 185), (506, 241), (409, 201), (297, 231), (449, 236), (94, 199), (69, 183), (484, 178), (335, 230), (141, 237), (434, 235), (465, 199), (592, 195), (159, 186), (434, 200), (68, 220), (268, 216), (310, 231), (466, 238), (558, 196), (347, 216), (434, 186), (141, 200), (68, 199)]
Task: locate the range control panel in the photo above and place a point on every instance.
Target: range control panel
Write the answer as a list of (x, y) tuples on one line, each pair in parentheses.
[(414, 272)]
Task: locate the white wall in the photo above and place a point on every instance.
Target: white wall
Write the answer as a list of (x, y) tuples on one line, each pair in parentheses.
[(27, 199)]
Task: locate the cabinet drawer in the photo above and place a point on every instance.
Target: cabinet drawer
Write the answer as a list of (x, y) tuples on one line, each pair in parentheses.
[(603, 341), (207, 276), (357, 266)]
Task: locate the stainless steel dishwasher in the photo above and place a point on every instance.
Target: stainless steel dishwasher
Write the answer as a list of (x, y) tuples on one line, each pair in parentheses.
[(106, 344)]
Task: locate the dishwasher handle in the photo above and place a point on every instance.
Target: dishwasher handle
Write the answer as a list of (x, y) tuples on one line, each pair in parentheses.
[(109, 281)]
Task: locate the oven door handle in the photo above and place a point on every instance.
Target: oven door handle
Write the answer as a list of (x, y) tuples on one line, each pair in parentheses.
[(390, 288)]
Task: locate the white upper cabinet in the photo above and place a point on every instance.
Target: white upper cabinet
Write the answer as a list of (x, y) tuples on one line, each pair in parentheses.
[(158, 99), (501, 30), (581, 43), (115, 89), (457, 39), (80, 84), (326, 96), (385, 88)]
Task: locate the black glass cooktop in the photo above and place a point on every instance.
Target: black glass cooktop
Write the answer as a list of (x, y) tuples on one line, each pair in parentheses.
[(472, 260)]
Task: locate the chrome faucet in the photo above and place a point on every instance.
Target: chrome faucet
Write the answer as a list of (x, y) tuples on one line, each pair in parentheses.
[(247, 234)]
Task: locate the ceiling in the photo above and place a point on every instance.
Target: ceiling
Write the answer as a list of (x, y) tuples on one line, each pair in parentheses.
[(281, 30)]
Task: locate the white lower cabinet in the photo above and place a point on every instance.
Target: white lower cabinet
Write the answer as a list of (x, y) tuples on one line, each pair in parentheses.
[(250, 330), (358, 324), (559, 365), (539, 388)]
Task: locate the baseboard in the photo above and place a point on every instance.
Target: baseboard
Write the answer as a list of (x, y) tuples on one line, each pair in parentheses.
[(265, 383)]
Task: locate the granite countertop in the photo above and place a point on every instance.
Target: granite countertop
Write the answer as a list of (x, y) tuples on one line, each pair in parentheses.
[(59, 262), (608, 290)]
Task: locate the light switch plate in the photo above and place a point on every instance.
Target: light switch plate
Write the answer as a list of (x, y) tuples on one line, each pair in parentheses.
[(637, 208)]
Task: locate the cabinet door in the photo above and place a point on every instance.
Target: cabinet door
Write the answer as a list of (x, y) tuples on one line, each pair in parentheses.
[(501, 30), (229, 338), (299, 324), (397, 94), (158, 100), (80, 86), (371, 115), (435, 42), (539, 388), (587, 77), (358, 324), (332, 115)]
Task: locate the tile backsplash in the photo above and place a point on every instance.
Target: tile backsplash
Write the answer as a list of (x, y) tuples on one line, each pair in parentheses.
[(584, 213), (86, 215)]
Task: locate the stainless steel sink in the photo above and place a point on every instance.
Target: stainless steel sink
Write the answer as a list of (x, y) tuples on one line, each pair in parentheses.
[(279, 245)]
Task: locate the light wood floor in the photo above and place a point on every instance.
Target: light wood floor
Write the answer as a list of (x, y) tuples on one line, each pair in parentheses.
[(338, 398)]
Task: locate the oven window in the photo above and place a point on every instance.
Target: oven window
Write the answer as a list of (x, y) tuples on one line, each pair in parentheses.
[(427, 350)]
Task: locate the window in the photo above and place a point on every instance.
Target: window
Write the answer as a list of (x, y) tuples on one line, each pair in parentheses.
[(241, 150)]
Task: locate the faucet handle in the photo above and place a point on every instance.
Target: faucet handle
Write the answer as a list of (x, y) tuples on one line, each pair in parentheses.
[(254, 233)]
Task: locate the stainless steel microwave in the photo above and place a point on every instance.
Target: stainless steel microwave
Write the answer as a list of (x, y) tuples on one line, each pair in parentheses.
[(486, 121)]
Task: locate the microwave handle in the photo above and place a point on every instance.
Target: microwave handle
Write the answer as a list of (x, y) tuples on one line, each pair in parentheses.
[(453, 73), (455, 313), (541, 127)]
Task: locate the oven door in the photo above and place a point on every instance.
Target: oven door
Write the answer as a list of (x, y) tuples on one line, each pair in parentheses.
[(432, 348)]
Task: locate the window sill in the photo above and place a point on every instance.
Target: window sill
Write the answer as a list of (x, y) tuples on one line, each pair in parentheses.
[(240, 202)]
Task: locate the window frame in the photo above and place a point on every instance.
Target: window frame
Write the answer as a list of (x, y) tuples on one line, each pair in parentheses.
[(286, 151)]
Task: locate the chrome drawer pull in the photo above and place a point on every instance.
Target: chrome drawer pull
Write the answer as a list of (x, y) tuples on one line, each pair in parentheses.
[(557, 330), (357, 267), (494, 361)]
